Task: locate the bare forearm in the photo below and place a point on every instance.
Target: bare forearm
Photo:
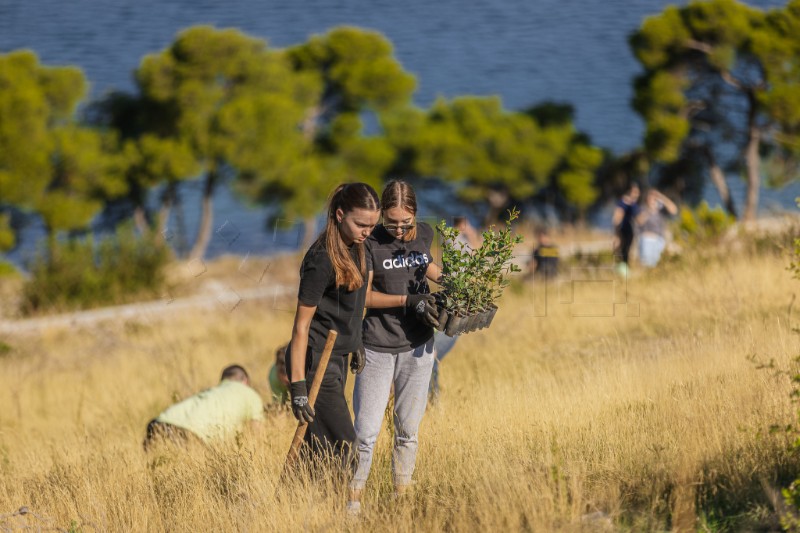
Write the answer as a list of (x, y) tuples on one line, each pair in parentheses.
[(302, 325), (434, 273), (670, 205), (379, 300), (299, 348)]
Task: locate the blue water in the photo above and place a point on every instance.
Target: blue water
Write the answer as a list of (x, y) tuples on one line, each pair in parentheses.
[(526, 51)]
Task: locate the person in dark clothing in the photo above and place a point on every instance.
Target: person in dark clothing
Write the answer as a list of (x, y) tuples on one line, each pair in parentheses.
[(545, 256), (623, 219), (333, 288)]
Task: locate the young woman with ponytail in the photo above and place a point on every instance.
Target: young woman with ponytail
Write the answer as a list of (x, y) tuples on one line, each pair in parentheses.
[(398, 337), (333, 288)]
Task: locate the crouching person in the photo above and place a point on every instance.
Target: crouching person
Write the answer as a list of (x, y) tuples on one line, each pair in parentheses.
[(278, 378), (209, 415)]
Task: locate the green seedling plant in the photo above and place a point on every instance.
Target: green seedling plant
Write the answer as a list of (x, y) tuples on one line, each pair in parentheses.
[(472, 280), (496, 255), (456, 272)]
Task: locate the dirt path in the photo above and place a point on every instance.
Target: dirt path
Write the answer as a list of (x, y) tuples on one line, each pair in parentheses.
[(224, 299)]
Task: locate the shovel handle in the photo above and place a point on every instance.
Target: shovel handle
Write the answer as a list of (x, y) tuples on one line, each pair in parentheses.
[(300, 432)]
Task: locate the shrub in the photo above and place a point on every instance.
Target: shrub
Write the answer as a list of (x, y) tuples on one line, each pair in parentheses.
[(794, 266), (7, 269), (7, 237), (703, 224), (473, 279), (791, 495), (80, 274)]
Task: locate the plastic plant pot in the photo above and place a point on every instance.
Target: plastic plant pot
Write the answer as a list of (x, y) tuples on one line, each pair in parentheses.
[(475, 324), (443, 317), (471, 323), (483, 318), (455, 325), (490, 316)]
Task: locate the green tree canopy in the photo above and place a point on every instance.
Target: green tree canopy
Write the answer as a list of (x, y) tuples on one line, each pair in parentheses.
[(152, 157), (359, 76), (48, 163), (85, 171), (778, 47), (233, 101), (718, 74), (33, 99), (574, 180), (493, 154)]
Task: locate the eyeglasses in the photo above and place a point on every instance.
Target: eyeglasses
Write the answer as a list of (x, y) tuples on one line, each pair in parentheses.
[(396, 227)]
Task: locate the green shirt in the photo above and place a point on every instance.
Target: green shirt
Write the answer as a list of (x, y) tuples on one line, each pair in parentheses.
[(279, 391), (216, 412)]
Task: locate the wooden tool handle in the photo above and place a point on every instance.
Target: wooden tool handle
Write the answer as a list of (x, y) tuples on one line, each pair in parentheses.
[(294, 449)]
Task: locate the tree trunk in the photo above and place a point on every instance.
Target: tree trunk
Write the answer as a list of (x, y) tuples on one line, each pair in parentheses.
[(167, 199), (207, 218), (580, 221), (309, 128), (309, 232), (752, 161), (140, 219), (718, 179), (497, 201), (139, 212), (310, 122)]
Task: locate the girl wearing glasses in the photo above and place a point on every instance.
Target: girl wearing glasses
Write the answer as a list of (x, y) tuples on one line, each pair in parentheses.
[(332, 293), (397, 336)]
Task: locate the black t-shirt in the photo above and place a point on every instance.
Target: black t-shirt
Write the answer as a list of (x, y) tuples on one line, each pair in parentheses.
[(337, 308), (629, 214), (398, 268)]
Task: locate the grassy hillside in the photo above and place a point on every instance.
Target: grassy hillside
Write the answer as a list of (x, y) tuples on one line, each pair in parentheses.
[(590, 404)]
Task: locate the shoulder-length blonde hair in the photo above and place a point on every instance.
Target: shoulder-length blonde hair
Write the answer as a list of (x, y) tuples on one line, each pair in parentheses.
[(347, 196), (399, 193)]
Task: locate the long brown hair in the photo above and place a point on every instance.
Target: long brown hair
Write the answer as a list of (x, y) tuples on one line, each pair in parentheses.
[(399, 193), (347, 196)]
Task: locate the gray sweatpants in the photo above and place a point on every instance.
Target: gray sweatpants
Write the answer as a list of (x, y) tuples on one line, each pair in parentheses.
[(410, 372)]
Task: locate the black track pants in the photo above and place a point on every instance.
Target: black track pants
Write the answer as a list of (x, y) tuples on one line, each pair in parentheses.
[(625, 241), (331, 434)]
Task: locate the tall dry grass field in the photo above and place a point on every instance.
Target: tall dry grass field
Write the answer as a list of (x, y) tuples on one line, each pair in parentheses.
[(589, 404)]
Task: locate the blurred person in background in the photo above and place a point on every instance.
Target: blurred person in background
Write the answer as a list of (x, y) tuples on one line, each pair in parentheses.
[(545, 256), (210, 415), (277, 377), (652, 226), (623, 220)]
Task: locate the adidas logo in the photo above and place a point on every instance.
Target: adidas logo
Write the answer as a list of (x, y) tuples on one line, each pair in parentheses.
[(412, 260)]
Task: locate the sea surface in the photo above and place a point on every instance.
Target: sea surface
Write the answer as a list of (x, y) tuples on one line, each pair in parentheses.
[(526, 51)]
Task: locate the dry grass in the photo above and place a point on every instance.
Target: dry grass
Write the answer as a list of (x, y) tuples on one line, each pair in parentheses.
[(652, 418)]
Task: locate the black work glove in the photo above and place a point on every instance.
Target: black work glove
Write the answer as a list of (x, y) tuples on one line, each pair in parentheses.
[(300, 408), (358, 360), (425, 307)]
